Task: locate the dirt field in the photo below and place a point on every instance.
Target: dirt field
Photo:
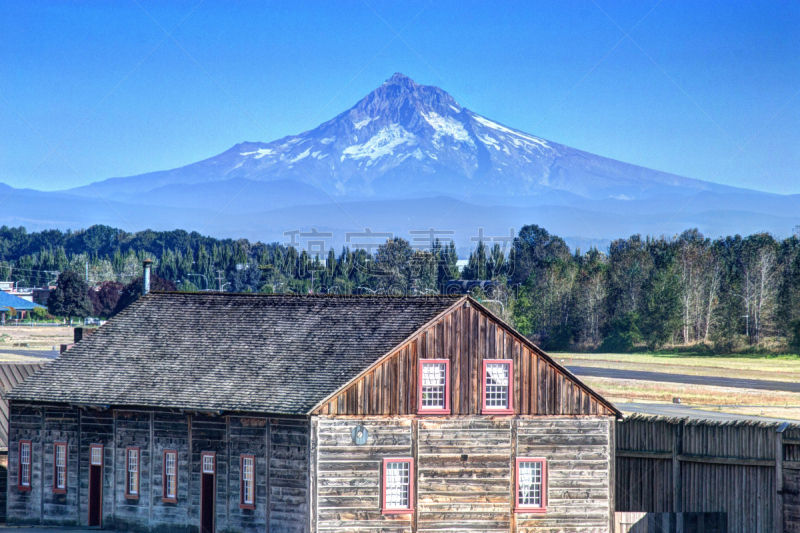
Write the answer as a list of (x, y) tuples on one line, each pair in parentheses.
[(775, 368), (36, 338), (722, 399)]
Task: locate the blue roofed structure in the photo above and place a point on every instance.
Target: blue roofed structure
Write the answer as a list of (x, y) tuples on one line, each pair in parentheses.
[(20, 304)]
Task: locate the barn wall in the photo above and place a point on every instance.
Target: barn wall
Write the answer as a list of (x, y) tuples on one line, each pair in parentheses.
[(25, 507), (280, 446), (349, 476), (455, 493), (466, 336)]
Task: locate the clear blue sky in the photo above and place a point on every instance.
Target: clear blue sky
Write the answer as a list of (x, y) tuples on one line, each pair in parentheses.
[(693, 83)]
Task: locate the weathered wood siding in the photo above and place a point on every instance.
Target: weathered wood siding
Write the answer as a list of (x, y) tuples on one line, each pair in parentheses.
[(579, 453), (678, 465), (25, 507), (289, 491), (349, 476), (471, 495), (466, 336), (280, 446), (457, 493)]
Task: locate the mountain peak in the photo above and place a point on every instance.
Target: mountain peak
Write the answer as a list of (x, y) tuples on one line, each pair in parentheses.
[(401, 79)]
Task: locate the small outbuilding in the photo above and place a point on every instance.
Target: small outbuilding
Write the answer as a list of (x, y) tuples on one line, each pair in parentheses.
[(232, 412)]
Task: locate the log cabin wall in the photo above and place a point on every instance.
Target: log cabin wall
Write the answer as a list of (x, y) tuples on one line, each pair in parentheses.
[(280, 447), (466, 336), (464, 475)]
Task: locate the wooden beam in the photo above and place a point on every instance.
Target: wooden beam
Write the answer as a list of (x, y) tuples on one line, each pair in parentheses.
[(636, 454), (720, 460), (677, 480), (777, 505)]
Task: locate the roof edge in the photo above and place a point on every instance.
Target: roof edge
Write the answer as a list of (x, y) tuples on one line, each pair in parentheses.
[(380, 359), (547, 357)]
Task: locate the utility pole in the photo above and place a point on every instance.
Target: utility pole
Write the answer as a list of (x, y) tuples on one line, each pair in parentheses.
[(87, 271), (219, 279)]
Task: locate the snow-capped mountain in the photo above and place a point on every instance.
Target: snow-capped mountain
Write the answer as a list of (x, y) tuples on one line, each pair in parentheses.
[(407, 157), (409, 139)]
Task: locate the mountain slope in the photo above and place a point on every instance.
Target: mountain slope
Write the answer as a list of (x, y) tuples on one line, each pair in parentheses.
[(407, 157), (406, 139)]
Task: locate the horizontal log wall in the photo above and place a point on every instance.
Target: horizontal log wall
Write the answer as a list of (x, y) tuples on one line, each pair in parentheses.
[(458, 493), (471, 495), (280, 447), (349, 476), (674, 465), (466, 336), (579, 453)]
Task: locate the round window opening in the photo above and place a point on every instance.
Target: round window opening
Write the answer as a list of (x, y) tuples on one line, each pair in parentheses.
[(359, 434)]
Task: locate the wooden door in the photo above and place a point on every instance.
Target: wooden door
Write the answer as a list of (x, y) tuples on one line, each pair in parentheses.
[(95, 485), (208, 473)]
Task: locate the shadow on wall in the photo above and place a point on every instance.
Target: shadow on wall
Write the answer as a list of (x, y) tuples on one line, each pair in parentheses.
[(670, 522)]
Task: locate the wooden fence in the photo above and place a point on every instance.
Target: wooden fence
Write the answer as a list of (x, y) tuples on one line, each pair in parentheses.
[(670, 523), (748, 470)]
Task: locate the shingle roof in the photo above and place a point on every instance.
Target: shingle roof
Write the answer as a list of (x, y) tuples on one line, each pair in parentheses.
[(199, 351), (9, 300)]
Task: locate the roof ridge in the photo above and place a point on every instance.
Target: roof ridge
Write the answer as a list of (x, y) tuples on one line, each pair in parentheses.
[(312, 296)]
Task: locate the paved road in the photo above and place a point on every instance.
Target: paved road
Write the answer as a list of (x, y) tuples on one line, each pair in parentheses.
[(665, 377), (684, 411), (47, 354)]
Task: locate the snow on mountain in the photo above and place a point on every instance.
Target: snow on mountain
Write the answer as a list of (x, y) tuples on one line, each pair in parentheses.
[(408, 139)]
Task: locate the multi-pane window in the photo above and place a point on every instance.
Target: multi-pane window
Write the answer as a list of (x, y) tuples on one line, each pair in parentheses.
[(208, 463), (24, 481), (531, 485), (132, 470), (434, 385), (398, 477), (96, 457), (60, 467), (170, 481), (497, 386), (248, 482)]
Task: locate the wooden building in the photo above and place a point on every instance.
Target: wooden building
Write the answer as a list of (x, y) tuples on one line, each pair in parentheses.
[(221, 412)]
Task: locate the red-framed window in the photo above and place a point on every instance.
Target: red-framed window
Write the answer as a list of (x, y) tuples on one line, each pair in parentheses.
[(60, 467), (397, 487), (133, 459), (170, 477), (247, 482), (433, 388), (531, 485), (24, 474), (96, 454), (498, 386)]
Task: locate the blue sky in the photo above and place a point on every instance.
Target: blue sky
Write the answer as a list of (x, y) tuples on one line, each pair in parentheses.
[(707, 90)]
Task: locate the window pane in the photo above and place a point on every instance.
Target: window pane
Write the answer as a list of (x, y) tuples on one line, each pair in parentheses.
[(97, 456), (497, 385), (25, 461), (397, 485), (170, 470), (133, 472), (434, 376), (530, 484), (61, 466), (248, 478), (208, 464)]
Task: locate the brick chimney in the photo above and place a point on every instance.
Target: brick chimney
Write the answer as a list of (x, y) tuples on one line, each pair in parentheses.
[(146, 285)]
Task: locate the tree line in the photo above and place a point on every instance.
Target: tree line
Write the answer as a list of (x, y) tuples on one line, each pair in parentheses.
[(723, 294)]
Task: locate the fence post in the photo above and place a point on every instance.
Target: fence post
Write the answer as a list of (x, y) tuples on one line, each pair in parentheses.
[(677, 485), (777, 507)]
